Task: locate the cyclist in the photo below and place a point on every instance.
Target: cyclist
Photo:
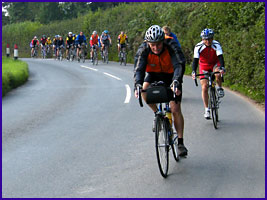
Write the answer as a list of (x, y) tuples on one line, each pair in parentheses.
[(105, 40), (34, 43), (122, 41), (48, 43), (160, 59), (43, 41), (94, 43), (208, 53), (60, 45), (55, 45), (80, 39), (69, 42), (168, 33)]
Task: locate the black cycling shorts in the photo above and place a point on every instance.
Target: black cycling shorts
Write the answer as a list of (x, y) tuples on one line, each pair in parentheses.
[(166, 78)]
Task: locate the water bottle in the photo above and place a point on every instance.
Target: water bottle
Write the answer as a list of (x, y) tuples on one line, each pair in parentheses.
[(169, 116)]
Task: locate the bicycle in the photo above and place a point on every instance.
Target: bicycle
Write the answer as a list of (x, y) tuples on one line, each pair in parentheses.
[(105, 54), (214, 100), (165, 138), (44, 51), (82, 53), (95, 58), (60, 53), (123, 56), (35, 52)]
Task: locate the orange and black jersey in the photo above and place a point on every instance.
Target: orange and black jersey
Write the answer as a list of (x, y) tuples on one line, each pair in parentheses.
[(170, 61)]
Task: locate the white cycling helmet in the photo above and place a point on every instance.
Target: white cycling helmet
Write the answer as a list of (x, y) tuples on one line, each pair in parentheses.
[(94, 32), (154, 34), (70, 33)]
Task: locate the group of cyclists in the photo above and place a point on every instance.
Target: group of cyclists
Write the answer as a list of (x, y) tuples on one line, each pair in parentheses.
[(160, 58), (74, 43)]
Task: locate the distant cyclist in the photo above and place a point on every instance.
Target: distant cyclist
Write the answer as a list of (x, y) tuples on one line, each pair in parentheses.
[(122, 41), (160, 59), (34, 43), (168, 33), (70, 40), (43, 41), (80, 39), (105, 40), (208, 53), (55, 45), (94, 43), (60, 45)]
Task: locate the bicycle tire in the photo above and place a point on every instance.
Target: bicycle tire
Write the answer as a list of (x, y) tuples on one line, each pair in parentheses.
[(174, 146), (125, 59), (162, 146), (213, 107)]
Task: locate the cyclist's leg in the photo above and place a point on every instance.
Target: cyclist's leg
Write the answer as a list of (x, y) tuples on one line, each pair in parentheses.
[(119, 48), (218, 76), (178, 118), (205, 96)]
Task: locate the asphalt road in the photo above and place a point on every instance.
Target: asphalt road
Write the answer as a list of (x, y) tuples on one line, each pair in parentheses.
[(76, 130)]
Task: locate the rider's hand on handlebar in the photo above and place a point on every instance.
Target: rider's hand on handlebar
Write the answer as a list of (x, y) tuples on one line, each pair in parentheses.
[(174, 86), (193, 75), (222, 70), (138, 86)]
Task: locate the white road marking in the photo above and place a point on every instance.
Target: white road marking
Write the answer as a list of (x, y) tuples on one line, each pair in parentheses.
[(89, 68), (128, 94), (112, 76)]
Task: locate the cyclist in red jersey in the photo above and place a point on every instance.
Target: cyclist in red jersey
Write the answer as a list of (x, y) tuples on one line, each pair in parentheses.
[(94, 43), (208, 53)]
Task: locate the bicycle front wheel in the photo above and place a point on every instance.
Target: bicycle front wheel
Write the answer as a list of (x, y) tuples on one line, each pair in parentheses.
[(174, 146), (162, 146), (213, 106)]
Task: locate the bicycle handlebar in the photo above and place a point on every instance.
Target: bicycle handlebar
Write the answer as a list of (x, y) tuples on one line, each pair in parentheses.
[(205, 74), (139, 90)]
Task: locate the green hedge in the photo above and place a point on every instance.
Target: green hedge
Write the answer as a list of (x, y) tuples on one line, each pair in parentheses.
[(238, 26), (14, 74)]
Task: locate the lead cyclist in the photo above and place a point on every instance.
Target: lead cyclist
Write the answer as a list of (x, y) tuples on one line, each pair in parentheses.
[(160, 59)]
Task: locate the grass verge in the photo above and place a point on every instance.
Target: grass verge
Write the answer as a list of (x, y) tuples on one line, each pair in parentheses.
[(14, 74)]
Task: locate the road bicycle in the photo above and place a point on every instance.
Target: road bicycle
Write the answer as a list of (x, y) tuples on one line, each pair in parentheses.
[(82, 53), (214, 100), (34, 53), (44, 51), (123, 56), (165, 137), (95, 58), (71, 52), (60, 53), (105, 54)]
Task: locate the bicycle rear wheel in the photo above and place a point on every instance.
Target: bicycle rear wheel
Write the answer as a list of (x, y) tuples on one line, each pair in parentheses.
[(162, 146), (213, 106)]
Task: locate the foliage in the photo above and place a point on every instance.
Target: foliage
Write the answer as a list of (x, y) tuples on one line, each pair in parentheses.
[(14, 74), (238, 26)]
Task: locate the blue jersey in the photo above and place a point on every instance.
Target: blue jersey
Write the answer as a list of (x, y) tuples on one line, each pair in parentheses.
[(175, 38), (80, 39)]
